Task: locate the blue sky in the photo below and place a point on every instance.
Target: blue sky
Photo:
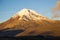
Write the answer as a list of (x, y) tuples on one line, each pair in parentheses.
[(10, 7)]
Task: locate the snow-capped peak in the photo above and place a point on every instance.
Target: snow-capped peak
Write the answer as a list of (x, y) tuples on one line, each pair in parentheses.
[(28, 14), (21, 13)]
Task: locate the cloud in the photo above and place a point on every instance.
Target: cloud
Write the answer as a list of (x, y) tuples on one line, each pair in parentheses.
[(56, 10)]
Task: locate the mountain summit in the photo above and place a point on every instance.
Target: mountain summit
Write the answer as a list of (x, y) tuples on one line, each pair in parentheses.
[(29, 23), (28, 14)]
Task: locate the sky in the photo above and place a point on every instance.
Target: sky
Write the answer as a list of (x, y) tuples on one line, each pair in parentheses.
[(10, 7)]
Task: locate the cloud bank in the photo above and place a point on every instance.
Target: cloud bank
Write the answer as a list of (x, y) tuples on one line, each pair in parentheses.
[(56, 10)]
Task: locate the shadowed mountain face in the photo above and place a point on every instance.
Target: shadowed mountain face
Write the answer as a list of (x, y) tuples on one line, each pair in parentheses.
[(9, 32), (29, 23)]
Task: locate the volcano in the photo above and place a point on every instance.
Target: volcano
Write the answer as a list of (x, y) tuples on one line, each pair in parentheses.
[(29, 23)]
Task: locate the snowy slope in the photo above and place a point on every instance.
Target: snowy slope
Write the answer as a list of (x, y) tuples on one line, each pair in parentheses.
[(29, 14)]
